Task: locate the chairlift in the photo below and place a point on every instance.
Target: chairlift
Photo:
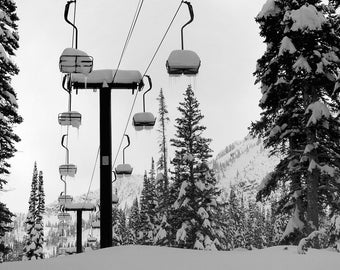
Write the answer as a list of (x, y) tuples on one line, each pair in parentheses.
[(73, 60), (115, 198), (91, 239), (144, 120), (95, 224), (64, 199), (71, 118), (64, 217), (124, 169), (68, 170), (184, 61)]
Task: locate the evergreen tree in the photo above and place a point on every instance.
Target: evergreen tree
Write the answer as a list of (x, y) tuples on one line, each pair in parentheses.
[(300, 102), (33, 223), (40, 210), (162, 164), (134, 222), (8, 105), (147, 228), (194, 218)]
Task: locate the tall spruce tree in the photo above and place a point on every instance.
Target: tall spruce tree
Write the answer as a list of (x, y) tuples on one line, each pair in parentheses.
[(34, 221), (134, 221), (8, 105), (40, 210), (146, 230), (194, 218), (298, 75), (162, 164)]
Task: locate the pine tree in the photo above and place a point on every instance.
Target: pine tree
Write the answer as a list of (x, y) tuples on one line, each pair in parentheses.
[(39, 224), (134, 222), (300, 102), (147, 228), (34, 229), (193, 220), (162, 164), (8, 105)]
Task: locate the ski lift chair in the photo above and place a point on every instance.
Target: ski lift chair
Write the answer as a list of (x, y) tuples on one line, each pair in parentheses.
[(184, 61), (115, 198), (71, 118), (144, 120), (95, 224), (65, 199), (64, 217), (124, 169), (91, 239), (68, 170), (75, 61)]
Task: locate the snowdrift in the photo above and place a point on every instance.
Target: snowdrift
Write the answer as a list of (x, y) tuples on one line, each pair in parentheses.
[(149, 258)]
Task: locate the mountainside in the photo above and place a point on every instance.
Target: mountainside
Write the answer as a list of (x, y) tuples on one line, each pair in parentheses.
[(244, 160)]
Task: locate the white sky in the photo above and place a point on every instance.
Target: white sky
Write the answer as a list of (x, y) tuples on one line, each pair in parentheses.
[(224, 34)]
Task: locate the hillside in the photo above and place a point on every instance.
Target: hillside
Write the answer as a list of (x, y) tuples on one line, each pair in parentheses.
[(246, 160)]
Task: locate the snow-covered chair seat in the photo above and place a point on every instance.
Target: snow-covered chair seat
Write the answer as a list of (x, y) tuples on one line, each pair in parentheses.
[(115, 199), (95, 224), (65, 199), (71, 118), (91, 239), (80, 206), (75, 61), (64, 216), (124, 169), (108, 78), (183, 62), (144, 120), (68, 170)]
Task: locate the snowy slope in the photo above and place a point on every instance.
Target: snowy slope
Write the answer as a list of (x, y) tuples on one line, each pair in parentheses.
[(149, 258), (245, 160)]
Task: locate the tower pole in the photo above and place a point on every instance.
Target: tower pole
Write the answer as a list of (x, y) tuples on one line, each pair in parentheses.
[(105, 168)]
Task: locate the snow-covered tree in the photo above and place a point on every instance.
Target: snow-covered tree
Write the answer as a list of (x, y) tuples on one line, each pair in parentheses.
[(298, 74), (39, 224), (134, 221), (146, 229), (120, 231), (34, 223), (194, 217), (162, 164), (8, 103)]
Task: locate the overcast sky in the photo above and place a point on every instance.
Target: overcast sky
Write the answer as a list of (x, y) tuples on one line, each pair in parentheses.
[(223, 33)]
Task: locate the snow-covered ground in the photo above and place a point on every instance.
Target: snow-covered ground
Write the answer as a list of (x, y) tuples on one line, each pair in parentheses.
[(148, 258)]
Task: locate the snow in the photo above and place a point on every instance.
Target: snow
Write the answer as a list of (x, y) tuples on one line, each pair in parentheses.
[(182, 193), (183, 61), (149, 258), (318, 110), (202, 213), (302, 64), (287, 46), (293, 223), (306, 18), (105, 76), (268, 9), (82, 205), (124, 169)]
